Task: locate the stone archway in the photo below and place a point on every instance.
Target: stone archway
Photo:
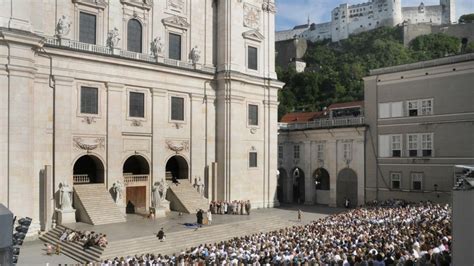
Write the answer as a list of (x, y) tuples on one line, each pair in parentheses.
[(88, 169), (298, 185), (177, 166), (322, 186), (136, 173), (346, 187), (282, 188)]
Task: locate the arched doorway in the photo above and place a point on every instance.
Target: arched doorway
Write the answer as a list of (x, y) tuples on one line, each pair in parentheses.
[(282, 185), (322, 186), (346, 187), (177, 167), (136, 171), (88, 169), (298, 185)]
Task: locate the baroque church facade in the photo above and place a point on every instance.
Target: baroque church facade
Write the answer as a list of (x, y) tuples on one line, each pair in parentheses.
[(353, 19), (134, 92)]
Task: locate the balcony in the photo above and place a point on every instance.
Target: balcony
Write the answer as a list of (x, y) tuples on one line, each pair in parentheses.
[(81, 179), (129, 179), (324, 123), (103, 50)]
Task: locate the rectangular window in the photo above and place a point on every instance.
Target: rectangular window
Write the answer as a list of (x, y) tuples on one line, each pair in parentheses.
[(296, 152), (87, 28), (395, 180), (177, 108), (427, 107), (412, 145), (417, 181), (253, 115), (396, 145), (252, 58), (174, 46), (320, 150), (427, 144), (280, 152), (252, 159), (413, 108), (137, 104), (89, 100), (347, 151), (392, 109)]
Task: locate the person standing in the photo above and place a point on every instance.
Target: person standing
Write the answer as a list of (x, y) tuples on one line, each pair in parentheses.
[(161, 235), (209, 217), (199, 217), (299, 215), (247, 207)]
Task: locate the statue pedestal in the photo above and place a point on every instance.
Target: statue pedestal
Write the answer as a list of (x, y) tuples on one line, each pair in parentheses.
[(122, 207), (160, 59), (116, 51), (66, 216)]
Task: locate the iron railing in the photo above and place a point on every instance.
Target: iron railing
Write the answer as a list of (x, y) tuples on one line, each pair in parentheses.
[(324, 123)]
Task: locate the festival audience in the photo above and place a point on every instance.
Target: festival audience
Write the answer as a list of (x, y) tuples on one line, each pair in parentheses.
[(86, 238), (392, 234), (235, 207)]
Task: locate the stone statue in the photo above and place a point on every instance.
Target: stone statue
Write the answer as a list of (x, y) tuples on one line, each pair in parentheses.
[(112, 38), (201, 187), (156, 197), (65, 197), (296, 173), (163, 188), (195, 55), (156, 47), (117, 188), (63, 27)]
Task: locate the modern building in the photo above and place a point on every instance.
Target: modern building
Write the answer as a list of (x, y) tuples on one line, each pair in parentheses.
[(98, 93), (352, 19), (420, 121), (321, 156)]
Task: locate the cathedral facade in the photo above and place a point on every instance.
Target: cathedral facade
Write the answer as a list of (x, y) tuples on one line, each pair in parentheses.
[(133, 92)]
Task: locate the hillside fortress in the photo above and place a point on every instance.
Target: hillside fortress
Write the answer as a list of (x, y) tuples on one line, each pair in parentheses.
[(353, 19)]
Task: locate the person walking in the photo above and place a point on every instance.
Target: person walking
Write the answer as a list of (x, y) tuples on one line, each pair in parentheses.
[(299, 215), (209, 217), (161, 235)]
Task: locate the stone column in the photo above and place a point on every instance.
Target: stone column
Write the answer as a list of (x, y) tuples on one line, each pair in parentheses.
[(198, 129), (331, 150), (158, 141), (114, 137)]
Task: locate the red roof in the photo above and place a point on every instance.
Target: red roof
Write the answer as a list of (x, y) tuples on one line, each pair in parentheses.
[(300, 117), (346, 105)]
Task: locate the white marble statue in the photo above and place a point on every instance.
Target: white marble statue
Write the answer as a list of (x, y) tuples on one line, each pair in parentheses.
[(195, 55), (201, 186), (112, 38), (156, 197), (117, 188), (156, 47), (65, 197), (63, 27), (163, 188)]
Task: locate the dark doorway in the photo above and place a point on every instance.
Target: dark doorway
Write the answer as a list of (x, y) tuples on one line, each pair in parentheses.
[(136, 165), (346, 187), (177, 167), (321, 176), (137, 196), (282, 185), (298, 185), (88, 169)]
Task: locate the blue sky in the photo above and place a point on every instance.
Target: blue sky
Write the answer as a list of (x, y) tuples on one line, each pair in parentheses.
[(294, 12)]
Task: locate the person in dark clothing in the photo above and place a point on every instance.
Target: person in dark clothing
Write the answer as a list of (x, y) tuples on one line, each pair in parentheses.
[(175, 181), (161, 235), (199, 216)]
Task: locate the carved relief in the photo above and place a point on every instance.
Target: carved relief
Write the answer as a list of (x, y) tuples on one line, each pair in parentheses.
[(94, 3), (253, 130), (269, 7), (88, 144), (88, 119), (251, 16), (63, 27), (177, 5), (156, 47), (195, 55), (136, 123), (113, 38), (175, 21), (177, 146)]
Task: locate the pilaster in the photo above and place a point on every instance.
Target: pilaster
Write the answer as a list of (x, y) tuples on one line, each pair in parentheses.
[(158, 125), (114, 133)]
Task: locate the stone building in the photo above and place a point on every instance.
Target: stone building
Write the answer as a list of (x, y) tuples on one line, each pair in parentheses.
[(96, 95), (321, 156), (352, 19), (420, 125)]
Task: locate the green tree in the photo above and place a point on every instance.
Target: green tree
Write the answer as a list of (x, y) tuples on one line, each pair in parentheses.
[(466, 18)]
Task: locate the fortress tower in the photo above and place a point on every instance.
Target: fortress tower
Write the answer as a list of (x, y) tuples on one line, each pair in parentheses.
[(449, 11), (396, 10)]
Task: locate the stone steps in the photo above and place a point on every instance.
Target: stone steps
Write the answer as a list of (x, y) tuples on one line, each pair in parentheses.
[(73, 250), (177, 241), (188, 196), (98, 204)]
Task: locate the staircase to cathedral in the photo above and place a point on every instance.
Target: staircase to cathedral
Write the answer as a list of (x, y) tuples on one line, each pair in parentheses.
[(185, 198), (95, 205), (73, 250)]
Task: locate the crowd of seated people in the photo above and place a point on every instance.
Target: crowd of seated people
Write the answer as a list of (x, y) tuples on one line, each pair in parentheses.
[(86, 238), (235, 207), (391, 235)]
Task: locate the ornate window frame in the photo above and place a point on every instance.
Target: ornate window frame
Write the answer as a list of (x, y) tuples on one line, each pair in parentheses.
[(253, 38), (250, 151), (179, 26), (140, 12), (258, 114), (185, 109), (96, 8), (146, 93), (101, 94)]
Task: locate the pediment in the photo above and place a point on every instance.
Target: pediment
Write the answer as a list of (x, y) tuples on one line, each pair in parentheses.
[(102, 4), (146, 4), (253, 35), (176, 21)]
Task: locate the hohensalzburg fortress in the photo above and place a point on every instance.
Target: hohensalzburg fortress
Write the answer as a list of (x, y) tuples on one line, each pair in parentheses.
[(347, 20)]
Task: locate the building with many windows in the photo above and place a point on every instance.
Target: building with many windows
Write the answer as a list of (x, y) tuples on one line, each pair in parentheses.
[(421, 124), (321, 156), (111, 97)]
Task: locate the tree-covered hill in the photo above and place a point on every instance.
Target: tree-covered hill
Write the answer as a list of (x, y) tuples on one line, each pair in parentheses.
[(335, 70)]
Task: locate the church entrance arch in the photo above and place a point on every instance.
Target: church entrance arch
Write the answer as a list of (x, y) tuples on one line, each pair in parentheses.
[(322, 185), (177, 167), (88, 169), (136, 173), (346, 187), (298, 185)]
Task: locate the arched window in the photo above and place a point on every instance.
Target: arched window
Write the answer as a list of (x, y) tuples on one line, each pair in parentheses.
[(134, 36)]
